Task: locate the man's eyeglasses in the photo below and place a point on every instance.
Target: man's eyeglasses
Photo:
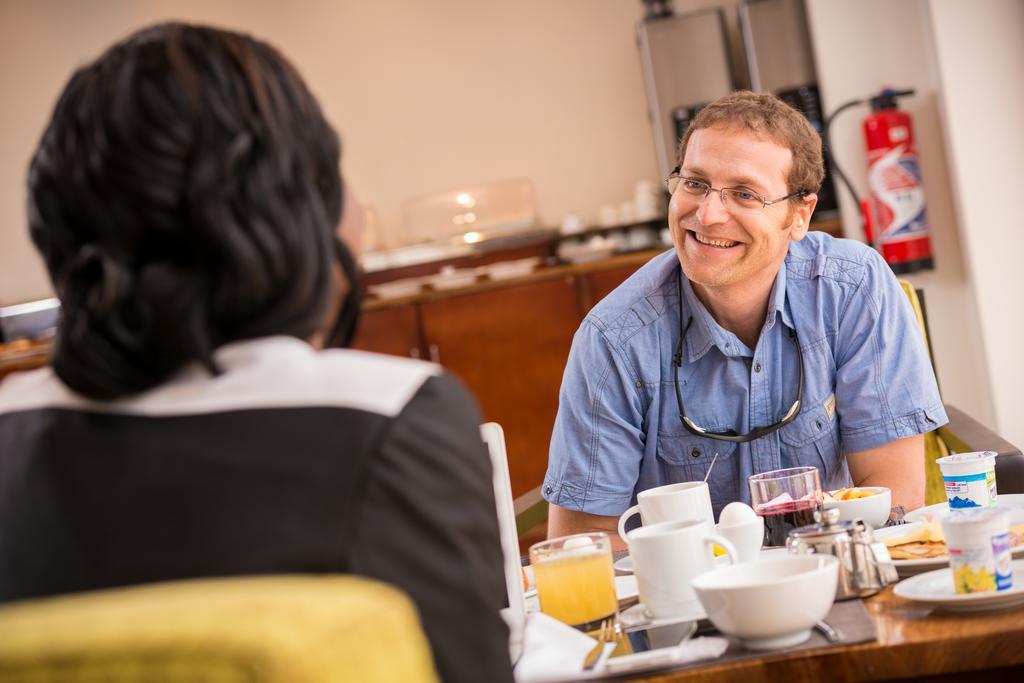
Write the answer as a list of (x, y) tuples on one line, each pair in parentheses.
[(733, 198), (730, 435)]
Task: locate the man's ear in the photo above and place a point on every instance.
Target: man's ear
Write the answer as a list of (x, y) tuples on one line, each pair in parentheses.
[(802, 217)]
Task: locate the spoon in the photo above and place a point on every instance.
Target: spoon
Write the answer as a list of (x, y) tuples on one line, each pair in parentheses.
[(831, 634), (708, 473)]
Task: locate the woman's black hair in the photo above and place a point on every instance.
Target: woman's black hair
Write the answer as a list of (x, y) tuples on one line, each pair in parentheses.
[(185, 194)]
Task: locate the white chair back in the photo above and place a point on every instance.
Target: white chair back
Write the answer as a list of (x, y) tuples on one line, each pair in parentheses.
[(494, 437)]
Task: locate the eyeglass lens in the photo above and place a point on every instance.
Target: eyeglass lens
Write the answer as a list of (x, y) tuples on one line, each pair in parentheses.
[(732, 198)]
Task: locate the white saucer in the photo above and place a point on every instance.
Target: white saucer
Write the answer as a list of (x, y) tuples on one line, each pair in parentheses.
[(624, 564), (637, 615), (1009, 501), (935, 588)]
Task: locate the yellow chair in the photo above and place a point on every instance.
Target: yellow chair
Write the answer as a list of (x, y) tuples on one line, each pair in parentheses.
[(962, 434), (294, 629)]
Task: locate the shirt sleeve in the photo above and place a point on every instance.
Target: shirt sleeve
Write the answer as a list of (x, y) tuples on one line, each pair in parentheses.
[(885, 385), (428, 524), (597, 443)]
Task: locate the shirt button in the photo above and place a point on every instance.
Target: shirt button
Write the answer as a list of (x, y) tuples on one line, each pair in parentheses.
[(548, 489), (695, 453), (757, 367)]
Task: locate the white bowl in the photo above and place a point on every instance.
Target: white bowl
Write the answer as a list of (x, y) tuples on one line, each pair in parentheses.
[(453, 279), (874, 509), (772, 603), (508, 269)]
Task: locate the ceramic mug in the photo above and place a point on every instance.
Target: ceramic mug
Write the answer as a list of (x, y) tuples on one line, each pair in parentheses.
[(671, 503), (667, 556)]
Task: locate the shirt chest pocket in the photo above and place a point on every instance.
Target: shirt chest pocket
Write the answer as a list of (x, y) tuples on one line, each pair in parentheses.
[(687, 457), (813, 439)]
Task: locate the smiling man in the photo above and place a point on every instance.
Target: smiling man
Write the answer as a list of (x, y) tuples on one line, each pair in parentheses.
[(753, 339)]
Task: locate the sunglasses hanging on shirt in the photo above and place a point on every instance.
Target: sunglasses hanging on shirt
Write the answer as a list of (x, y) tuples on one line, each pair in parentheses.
[(730, 435)]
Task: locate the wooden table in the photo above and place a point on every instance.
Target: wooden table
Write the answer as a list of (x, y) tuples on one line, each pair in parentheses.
[(24, 359), (914, 642)]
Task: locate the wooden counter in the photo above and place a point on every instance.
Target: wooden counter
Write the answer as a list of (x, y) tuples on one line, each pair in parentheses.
[(24, 359), (630, 261), (508, 340)]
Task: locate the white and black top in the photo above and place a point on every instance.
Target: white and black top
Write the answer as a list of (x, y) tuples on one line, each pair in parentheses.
[(292, 460)]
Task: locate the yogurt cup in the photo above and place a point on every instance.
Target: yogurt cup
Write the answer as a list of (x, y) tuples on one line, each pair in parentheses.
[(970, 479), (979, 550)]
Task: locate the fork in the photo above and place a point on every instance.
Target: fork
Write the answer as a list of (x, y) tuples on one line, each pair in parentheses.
[(606, 635), (896, 516)]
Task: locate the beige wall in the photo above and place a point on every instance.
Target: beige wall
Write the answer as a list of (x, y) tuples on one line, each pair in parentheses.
[(428, 96), (960, 80), (431, 96), (982, 102)]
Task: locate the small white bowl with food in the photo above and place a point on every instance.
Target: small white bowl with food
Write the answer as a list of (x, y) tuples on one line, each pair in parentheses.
[(770, 604), (870, 503)]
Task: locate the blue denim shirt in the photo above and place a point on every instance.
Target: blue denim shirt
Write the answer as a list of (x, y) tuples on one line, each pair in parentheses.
[(868, 381)]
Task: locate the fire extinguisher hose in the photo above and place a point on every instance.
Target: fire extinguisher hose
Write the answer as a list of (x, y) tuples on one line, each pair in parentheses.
[(835, 166)]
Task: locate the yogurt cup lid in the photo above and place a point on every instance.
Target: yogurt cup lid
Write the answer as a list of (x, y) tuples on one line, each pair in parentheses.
[(976, 456), (976, 516)]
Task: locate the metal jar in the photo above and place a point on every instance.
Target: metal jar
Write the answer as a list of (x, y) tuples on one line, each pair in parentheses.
[(864, 564)]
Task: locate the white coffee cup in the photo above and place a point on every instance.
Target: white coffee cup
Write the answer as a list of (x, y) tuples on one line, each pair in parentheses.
[(667, 556), (671, 503)]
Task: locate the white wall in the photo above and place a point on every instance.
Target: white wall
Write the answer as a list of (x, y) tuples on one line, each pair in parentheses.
[(428, 96), (980, 54), (857, 55)]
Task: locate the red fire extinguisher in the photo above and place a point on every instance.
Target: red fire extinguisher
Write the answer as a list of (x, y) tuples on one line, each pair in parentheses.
[(894, 218)]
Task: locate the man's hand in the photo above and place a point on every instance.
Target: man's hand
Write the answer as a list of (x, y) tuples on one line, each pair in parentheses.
[(898, 465), (562, 522)]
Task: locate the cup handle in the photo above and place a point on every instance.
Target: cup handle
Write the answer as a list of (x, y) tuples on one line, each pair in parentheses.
[(730, 549), (622, 522)]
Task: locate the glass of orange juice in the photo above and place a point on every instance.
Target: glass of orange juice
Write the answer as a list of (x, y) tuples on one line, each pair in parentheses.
[(575, 580)]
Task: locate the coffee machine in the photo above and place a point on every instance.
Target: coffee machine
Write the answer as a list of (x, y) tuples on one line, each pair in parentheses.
[(686, 64), (690, 59), (777, 46)]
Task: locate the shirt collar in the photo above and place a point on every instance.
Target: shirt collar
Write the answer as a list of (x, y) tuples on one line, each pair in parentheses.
[(777, 301), (704, 332)]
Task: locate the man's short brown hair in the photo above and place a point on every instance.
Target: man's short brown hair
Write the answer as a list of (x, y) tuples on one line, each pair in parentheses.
[(767, 116)]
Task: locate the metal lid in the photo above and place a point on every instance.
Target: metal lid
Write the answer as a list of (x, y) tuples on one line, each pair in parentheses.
[(827, 527)]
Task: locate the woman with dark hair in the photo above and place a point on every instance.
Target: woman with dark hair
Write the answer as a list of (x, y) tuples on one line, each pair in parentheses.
[(185, 197)]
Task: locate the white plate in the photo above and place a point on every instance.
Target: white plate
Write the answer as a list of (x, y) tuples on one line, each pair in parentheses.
[(508, 269), (936, 589), (625, 564), (454, 279), (583, 254), (397, 288), (625, 587), (911, 567), (1009, 501)]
